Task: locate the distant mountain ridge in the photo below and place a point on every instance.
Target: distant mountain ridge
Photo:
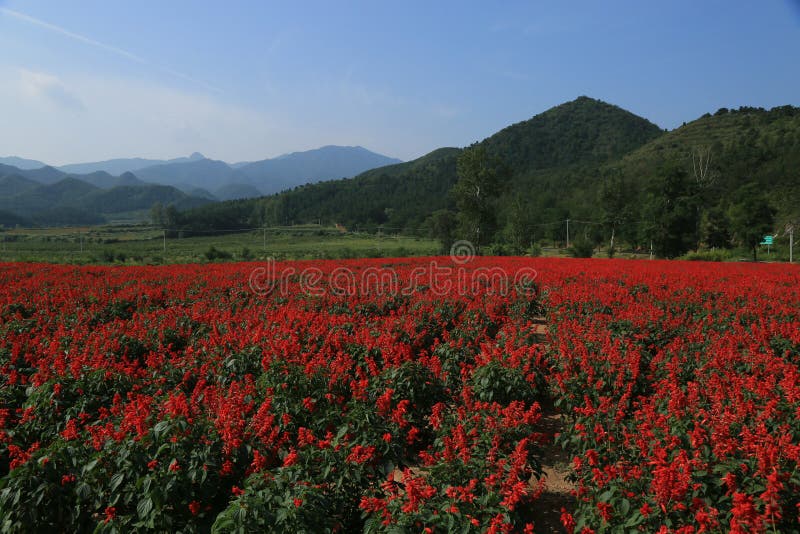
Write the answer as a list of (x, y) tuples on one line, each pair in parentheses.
[(122, 165), (325, 163), (222, 179), (22, 163), (47, 196), (88, 192)]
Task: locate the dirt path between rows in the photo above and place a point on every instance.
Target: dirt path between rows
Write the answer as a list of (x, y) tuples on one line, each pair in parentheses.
[(555, 468)]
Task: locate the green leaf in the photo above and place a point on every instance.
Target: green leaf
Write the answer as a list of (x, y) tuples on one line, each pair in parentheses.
[(144, 507), (88, 467), (625, 507), (116, 480), (635, 519), (240, 515)]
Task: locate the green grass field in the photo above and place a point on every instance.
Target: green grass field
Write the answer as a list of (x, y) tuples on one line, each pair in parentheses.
[(146, 245), (130, 244)]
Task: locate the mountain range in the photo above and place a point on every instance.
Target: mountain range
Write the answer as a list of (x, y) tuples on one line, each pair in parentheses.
[(86, 193), (565, 163), (600, 166)]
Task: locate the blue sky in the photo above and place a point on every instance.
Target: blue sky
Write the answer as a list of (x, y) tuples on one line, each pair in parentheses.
[(245, 80)]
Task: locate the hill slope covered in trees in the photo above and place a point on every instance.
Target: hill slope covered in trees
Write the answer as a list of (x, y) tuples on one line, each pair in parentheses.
[(612, 173), (403, 196)]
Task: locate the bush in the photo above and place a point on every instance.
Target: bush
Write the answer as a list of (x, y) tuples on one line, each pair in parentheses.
[(535, 250), (581, 249), (495, 382), (498, 249), (214, 253), (708, 255)]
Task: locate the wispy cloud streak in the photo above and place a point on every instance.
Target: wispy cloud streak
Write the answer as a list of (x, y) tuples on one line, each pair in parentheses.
[(103, 46)]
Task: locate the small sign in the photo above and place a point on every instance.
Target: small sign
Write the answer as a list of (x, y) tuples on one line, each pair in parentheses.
[(767, 240)]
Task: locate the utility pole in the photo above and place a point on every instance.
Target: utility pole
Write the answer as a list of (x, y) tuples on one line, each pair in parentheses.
[(567, 233), (651, 249), (791, 242)]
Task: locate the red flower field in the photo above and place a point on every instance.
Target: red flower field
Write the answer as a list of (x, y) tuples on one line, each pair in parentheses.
[(373, 396)]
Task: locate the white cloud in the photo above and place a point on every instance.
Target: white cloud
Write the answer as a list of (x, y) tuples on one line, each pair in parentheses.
[(48, 89)]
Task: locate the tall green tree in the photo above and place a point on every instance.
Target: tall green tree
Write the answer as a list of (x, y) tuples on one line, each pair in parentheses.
[(715, 228), (481, 177), (751, 217), (618, 208), (157, 214), (672, 213), (519, 230), (442, 226)]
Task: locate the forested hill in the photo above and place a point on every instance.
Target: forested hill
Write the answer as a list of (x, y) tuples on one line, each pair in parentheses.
[(746, 147), (402, 196), (582, 131), (585, 160)]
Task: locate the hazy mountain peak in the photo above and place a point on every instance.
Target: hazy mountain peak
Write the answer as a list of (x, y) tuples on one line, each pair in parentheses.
[(196, 156), (325, 163), (22, 163)]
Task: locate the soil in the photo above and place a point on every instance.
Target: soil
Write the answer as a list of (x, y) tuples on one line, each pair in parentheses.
[(555, 469)]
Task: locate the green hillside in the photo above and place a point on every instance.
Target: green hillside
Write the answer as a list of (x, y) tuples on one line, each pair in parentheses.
[(745, 146), (24, 201), (402, 196), (397, 196), (608, 170), (583, 131)]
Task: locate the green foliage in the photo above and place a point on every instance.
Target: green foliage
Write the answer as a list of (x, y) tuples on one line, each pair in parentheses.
[(442, 226), (213, 253), (535, 250), (398, 196), (581, 248), (673, 214), (751, 217), (480, 179), (278, 504), (709, 255), (716, 228), (520, 227), (495, 382), (582, 131)]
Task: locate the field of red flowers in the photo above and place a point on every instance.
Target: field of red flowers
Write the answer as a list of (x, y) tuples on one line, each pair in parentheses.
[(178, 398)]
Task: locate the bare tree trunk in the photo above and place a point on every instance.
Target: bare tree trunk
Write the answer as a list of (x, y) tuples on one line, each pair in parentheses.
[(701, 161)]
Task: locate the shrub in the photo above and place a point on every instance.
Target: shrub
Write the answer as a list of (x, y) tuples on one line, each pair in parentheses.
[(214, 253), (581, 248), (494, 382), (707, 255)]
